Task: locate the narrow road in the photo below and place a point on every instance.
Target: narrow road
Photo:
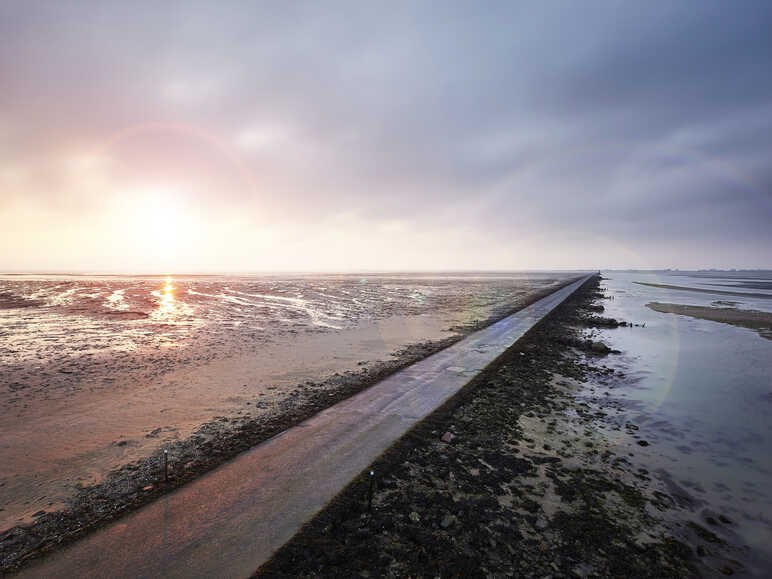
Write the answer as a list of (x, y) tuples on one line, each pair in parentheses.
[(229, 521)]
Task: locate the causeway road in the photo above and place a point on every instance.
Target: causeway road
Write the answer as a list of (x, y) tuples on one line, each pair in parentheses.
[(231, 520)]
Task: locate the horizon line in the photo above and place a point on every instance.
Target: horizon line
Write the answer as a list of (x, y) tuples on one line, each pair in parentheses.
[(366, 271)]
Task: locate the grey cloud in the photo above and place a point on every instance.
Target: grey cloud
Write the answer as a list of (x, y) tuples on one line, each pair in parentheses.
[(552, 116)]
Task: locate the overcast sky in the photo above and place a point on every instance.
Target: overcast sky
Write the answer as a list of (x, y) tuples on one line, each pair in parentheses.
[(227, 136)]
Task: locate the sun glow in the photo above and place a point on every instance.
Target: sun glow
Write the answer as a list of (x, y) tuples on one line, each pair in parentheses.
[(157, 223), (166, 221)]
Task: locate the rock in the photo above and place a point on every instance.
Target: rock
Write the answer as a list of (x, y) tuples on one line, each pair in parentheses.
[(599, 348), (704, 534), (447, 521), (598, 321), (584, 570), (643, 443), (447, 437)]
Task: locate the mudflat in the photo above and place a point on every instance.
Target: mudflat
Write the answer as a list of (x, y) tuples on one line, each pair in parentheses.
[(753, 319), (706, 291)]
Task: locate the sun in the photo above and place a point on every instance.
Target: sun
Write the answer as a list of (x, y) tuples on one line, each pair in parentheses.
[(165, 220), (160, 222), (158, 229)]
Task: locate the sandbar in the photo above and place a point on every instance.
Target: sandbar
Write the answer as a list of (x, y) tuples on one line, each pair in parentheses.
[(706, 291), (753, 319)]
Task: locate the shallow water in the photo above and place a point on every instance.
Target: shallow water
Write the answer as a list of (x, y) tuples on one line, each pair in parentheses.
[(59, 327), (53, 318), (701, 393), (98, 371)]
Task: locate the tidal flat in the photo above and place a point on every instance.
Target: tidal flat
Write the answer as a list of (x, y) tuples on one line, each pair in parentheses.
[(612, 440), (754, 319)]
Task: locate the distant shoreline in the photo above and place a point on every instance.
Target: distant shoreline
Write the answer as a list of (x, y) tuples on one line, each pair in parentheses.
[(752, 319), (705, 291)]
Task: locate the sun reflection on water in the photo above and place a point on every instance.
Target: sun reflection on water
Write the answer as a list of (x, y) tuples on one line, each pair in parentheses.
[(167, 305)]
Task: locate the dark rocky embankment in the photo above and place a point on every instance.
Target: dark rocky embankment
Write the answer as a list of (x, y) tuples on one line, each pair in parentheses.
[(512, 478)]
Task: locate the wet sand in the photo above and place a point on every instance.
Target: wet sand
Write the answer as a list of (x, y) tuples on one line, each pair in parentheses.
[(54, 444), (753, 319), (762, 285), (707, 291)]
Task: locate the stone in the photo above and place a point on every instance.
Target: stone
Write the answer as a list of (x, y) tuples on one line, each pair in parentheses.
[(600, 348), (447, 521), (447, 437)]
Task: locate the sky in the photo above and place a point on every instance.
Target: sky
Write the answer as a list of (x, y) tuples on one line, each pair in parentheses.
[(316, 136)]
